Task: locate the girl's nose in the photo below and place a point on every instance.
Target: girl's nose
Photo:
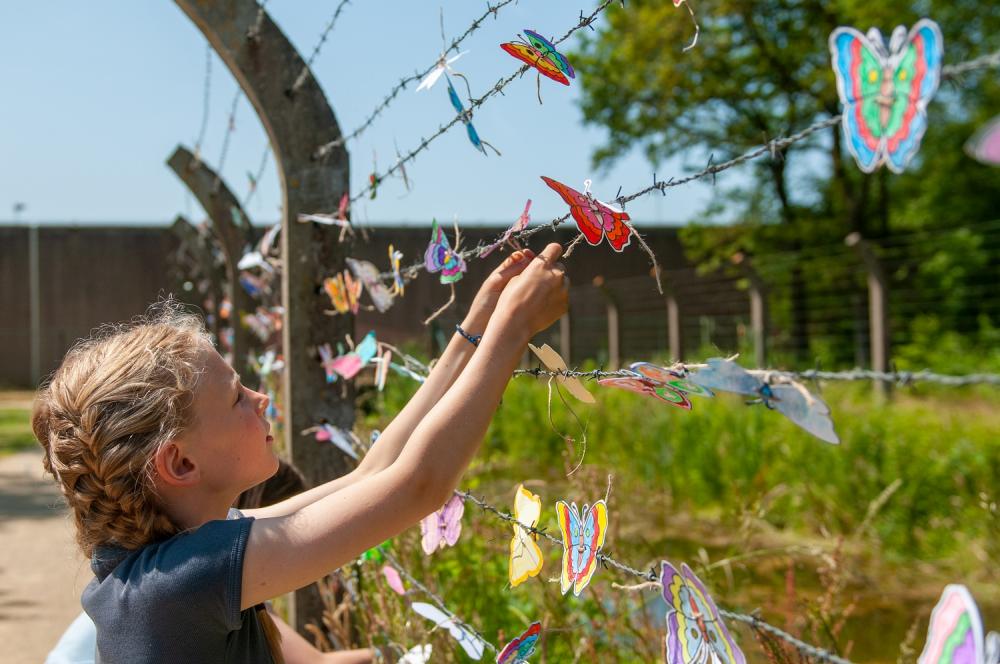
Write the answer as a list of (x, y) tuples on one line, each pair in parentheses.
[(262, 403)]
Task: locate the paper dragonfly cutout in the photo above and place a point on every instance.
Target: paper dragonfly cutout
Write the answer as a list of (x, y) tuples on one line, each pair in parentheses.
[(367, 274), (439, 257), (518, 226), (661, 383), (349, 364), (442, 527), (583, 536), (417, 655), (955, 633), (541, 54), (398, 284), (521, 648), (984, 145), (344, 292), (789, 398), (525, 555), (596, 220), (470, 642), (695, 631), (456, 103), (885, 90), (440, 68), (554, 362)]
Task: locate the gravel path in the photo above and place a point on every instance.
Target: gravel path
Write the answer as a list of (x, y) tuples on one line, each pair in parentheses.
[(42, 572)]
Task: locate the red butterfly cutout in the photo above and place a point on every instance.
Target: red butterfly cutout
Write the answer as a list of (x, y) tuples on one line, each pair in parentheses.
[(595, 219)]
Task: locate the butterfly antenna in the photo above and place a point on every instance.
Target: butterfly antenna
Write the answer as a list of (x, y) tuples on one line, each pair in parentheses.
[(697, 28)]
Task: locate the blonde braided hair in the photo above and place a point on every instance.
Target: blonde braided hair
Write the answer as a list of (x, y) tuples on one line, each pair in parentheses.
[(116, 398)]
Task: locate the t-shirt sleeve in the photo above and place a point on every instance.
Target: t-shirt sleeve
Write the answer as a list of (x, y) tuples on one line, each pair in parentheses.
[(198, 573)]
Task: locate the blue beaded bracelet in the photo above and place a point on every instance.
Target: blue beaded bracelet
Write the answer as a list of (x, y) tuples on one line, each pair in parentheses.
[(473, 339)]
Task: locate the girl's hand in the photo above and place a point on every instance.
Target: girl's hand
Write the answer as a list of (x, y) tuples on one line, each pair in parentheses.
[(486, 299), (538, 296)]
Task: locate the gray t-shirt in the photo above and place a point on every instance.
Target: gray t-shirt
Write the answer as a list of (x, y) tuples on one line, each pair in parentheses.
[(177, 600)]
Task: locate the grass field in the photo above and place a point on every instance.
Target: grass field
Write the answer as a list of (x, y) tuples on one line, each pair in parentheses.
[(15, 429)]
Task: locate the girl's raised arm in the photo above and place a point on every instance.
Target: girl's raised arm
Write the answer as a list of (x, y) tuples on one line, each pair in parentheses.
[(286, 553), (451, 364)]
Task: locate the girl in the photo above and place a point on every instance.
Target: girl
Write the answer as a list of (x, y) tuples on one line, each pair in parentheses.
[(152, 437)]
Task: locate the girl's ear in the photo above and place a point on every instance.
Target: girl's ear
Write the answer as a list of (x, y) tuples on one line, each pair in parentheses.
[(173, 468)]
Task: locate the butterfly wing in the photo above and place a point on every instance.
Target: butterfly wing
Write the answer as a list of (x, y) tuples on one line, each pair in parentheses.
[(554, 362), (665, 376), (417, 655), (718, 637), (726, 376), (804, 409), (367, 349), (685, 641), (916, 78), (649, 388), (536, 59), (521, 648), (367, 274), (471, 644), (955, 632), (451, 517), (393, 579), (382, 370), (430, 533), (525, 555), (337, 292), (984, 145), (859, 69), (595, 528), (548, 49), (619, 233), (588, 222), (571, 530)]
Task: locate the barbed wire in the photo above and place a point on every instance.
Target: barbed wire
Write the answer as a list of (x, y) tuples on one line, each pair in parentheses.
[(256, 176), (300, 79), (772, 147), (324, 149), (205, 100), (650, 576), (436, 599), (897, 377), (230, 128), (466, 115)]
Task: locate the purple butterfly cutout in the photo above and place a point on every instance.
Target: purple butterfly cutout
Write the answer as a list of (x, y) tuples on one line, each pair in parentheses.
[(442, 527)]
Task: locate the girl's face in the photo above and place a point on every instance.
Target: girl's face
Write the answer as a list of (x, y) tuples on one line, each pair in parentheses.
[(230, 439)]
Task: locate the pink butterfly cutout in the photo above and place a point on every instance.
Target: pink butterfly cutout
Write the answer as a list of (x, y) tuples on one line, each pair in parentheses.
[(442, 527), (518, 226), (596, 220)]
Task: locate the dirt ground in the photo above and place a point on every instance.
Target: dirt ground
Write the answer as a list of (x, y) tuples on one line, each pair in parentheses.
[(41, 571)]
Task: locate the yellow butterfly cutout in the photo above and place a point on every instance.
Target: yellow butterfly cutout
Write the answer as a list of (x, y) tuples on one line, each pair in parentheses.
[(554, 362), (525, 556)]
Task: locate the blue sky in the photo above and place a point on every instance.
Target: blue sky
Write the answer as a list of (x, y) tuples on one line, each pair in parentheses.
[(98, 94)]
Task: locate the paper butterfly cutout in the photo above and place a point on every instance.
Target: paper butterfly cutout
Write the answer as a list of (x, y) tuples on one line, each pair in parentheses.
[(442, 527), (253, 285), (789, 398), (267, 240), (344, 292), (554, 362), (583, 536), (439, 257), (349, 364), (955, 634), (984, 145), (393, 579), (541, 54), (439, 69), (525, 555), (885, 90), (518, 650), (518, 226), (367, 274), (595, 219), (695, 630), (328, 433), (340, 219), (456, 103), (675, 378), (417, 655), (398, 284), (470, 642)]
